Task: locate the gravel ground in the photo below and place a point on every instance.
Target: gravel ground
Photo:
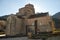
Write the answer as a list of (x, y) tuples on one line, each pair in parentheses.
[(18, 38), (25, 38)]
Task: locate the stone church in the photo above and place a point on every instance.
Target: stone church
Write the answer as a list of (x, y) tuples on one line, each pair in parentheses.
[(26, 20)]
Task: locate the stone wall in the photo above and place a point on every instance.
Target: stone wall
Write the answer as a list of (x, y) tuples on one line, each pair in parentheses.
[(13, 25), (41, 21), (2, 24), (27, 10)]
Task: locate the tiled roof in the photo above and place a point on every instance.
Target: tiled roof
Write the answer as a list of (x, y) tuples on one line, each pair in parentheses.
[(20, 16), (38, 15), (34, 16)]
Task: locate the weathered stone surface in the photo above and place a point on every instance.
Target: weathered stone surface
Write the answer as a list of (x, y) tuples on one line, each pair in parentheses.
[(2, 25), (27, 10), (42, 23), (13, 25), (18, 25)]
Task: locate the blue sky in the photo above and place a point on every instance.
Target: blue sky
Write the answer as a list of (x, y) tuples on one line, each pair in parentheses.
[(11, 6)]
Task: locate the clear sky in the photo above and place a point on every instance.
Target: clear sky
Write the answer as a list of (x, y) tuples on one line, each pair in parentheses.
[(12, 6)]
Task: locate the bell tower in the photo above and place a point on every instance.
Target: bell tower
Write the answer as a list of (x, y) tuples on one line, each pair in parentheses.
[(27, 10)]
